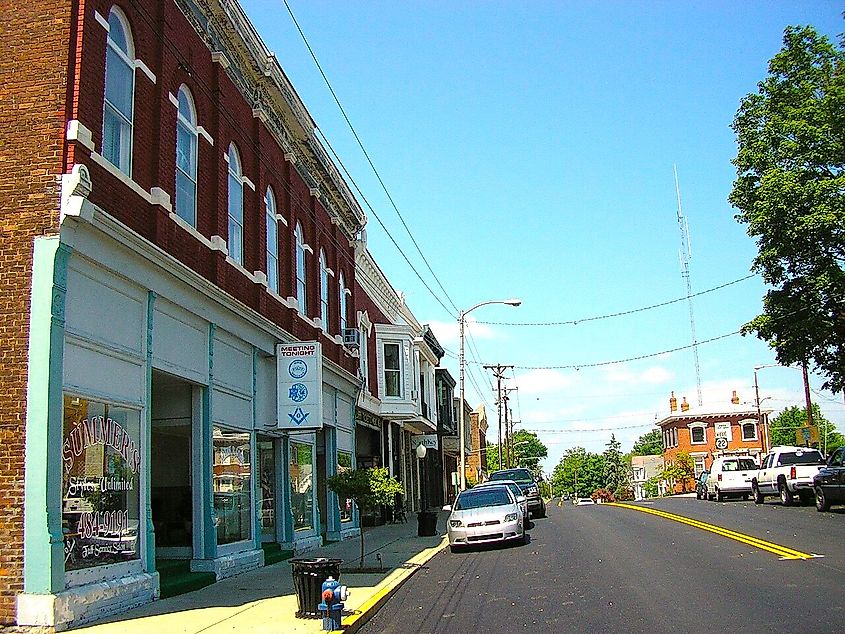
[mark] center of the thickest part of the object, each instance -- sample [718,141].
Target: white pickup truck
[787,472]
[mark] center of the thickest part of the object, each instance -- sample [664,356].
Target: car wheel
[755,492]
[543,510]
[454,548]
[822,503]
[697,494]
[786,496]
[745,497]
[719,496]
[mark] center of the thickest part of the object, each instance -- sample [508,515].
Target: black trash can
[426,524]
[309,573]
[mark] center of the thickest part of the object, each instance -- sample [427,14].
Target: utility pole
[499,373]
[508,426]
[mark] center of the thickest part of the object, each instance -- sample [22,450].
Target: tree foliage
[649,444]
[616,477]
[528,450]
[368,488]
[790,192]
[578,473]
[681,471]
[782,428]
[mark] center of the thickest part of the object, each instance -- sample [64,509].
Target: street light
[759,413]
[462,322]
[421,451]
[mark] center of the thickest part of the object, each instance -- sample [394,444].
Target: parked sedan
[584,501]
[829,482]
[517,492]
[701,486]
[483,515]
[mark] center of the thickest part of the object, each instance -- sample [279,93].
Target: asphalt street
[610,569]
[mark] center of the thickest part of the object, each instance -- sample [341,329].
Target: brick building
[476,462]
[704,433]
[178,306]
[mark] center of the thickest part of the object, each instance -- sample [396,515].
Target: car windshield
[513,486]
[481,497]
[811,456]
[521,476]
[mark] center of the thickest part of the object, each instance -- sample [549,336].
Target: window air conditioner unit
[351,337]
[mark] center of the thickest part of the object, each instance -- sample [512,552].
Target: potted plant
[368,488]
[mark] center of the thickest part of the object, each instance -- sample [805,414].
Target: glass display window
[232,485]
[101,481]
[302,485]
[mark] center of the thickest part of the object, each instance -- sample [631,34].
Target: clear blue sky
[530,148]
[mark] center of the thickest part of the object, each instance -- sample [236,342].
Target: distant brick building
[476,462]
[707,432]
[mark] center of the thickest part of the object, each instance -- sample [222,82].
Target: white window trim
[324,292]
[229,217]
[129,61]
[703,428]
[299,247]
[742,425]
[401,396]
[271,216]
[191,127]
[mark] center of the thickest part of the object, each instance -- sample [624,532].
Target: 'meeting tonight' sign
[299,376]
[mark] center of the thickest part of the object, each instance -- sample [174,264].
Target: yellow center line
[783,552]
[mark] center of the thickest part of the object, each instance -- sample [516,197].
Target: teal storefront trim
[43,539]
[147,434]
[207,458]
[287,505]
[255,476]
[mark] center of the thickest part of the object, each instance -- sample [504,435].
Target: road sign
[721,442]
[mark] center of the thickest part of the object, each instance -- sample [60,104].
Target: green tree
[649,444]
[782,428]
[528,450]
[578,473]
[615,472]
[682,471]
[790,192]
[368,488]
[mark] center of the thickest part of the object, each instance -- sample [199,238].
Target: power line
[575,322]
[366,154]
[382,225]
[578,366]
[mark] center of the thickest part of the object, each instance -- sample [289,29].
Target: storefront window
[301,485]
[232,485]
[344,464]
[101,463]
[267,469]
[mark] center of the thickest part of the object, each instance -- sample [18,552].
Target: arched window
[324,291]
[342,303]
[272,241]
[186,158]
[119,99]
[300,270]
[236,207]
[749,431]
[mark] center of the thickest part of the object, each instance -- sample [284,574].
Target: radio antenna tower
[685,255]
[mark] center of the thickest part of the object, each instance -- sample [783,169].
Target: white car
[730,476]
[584,501]
[484,515]
[516,490]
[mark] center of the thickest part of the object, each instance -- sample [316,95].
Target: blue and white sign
[299,372]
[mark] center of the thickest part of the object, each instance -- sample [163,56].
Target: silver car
[517,492]
[483,515]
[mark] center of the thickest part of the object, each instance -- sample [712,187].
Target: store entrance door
[268,502]
[171,492]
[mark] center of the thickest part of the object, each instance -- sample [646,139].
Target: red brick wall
[34,93]
[176,55]
[52,67]
[366,304]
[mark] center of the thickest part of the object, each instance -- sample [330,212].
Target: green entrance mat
[175,577]
[273,554]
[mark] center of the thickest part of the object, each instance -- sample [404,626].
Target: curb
[389,586]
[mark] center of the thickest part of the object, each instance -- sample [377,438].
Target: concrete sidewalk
[264,601]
